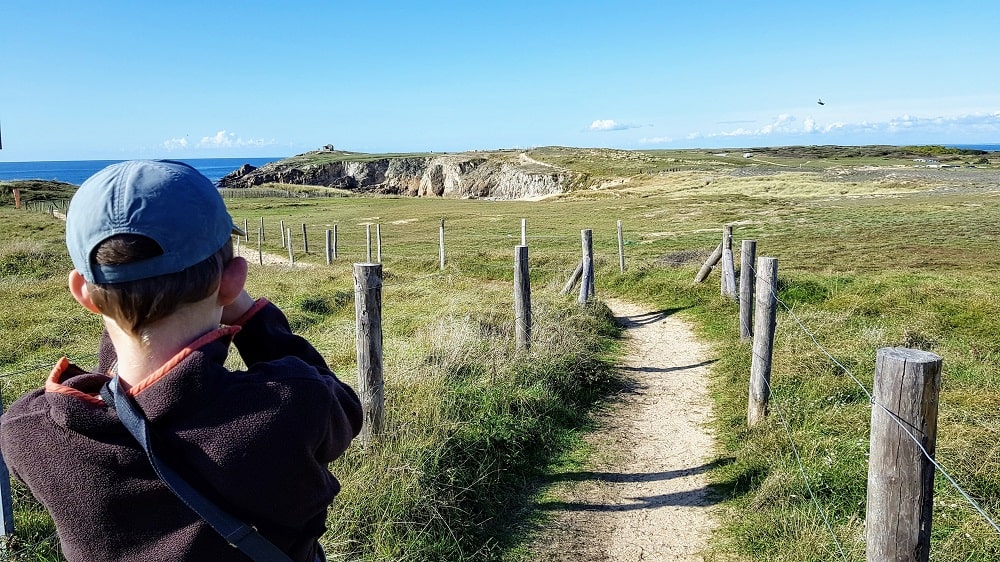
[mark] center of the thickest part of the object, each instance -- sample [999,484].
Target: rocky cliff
[495,175]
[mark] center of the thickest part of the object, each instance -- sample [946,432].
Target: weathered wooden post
[378,241]
[288,240]
[246,230]
[441,244]
[305,239]
[262,229]
[334,241]
[282,225]
[900,476]
[524,232]
[763,340]
[522,298]
[260,246]
[748,255]
[587,273]
[709,264]
[6,504]
[571,282]
[368,313]
[17,198]
[621,249]
[368,242]
[728,284]
[329,247]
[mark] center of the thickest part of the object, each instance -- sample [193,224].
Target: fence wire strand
[975,505]
[802,470]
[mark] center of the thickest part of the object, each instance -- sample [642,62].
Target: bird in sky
[820,102]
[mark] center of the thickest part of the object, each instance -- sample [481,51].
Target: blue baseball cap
[169,202]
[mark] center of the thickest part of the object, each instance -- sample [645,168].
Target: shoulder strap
[237,533]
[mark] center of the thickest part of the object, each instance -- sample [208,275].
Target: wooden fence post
[305,239]
[262,238]
[728,285]
[524,232]
[329,247]
[335,241]
[260,247]
[246,230]
[368,313]
[763,340]
[522,298]
[17,198]
[288,240]
[6,504]
[900,477]
[709,264]
[748,254]
[568,288]
[621,249]
[368,242]
[441,244]
[282,224]
[378,241]
[587,274]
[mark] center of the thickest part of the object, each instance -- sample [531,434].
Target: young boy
[152,250]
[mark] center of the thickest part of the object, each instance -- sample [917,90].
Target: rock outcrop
[495,175]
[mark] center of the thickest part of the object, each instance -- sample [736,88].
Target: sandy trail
[643,495]
[248,250]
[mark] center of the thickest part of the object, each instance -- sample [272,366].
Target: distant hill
[515,174]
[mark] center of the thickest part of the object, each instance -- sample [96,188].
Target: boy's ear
[234,278]
[78,288]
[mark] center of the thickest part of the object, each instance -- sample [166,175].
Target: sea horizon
[76,171]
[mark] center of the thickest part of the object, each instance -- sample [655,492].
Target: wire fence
[544,263]
[773,293]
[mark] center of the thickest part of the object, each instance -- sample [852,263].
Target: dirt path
[643,495]
[248,250]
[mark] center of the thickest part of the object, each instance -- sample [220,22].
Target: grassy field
[472,423]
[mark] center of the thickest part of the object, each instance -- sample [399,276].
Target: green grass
[472,423]
[914,271]
[35,190]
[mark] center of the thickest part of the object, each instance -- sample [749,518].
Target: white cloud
[173,144]
[221,139]
[609,125]
[911,126]
[655,140]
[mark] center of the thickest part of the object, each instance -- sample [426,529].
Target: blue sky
[186,79]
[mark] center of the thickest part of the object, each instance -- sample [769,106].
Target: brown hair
[135,304]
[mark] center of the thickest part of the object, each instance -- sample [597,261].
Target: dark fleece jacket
[257,442]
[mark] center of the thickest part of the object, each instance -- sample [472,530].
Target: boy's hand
[236,309]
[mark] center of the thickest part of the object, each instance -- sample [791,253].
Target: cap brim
[239,231]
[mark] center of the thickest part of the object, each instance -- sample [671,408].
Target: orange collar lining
[54,382]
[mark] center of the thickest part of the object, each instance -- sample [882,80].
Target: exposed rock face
[502,175]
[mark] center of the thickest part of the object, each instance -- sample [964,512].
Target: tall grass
[470,421]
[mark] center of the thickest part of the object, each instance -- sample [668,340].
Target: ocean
[986,147]
[76,171]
